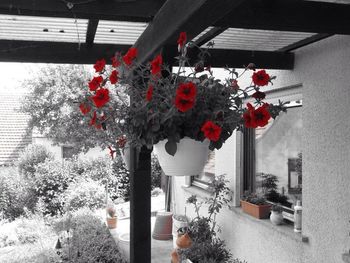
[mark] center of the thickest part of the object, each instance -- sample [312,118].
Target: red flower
[259,95]
[261,78]
[234,84]
[93,119]
[256,117]
[249,121]
[187,91]
[115,62]
[101,97]
[183,104]
[84,108]
[111,152]
[156,65]
[130,56]
[95,83]
[121,141]
[211,131]
[100,65]
[149,93]
[182,39]
[113,77]
[261,115]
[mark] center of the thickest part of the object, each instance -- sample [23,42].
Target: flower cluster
[147,103]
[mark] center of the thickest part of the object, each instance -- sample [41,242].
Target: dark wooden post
[140,206]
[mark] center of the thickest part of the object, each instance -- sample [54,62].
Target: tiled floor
[161,249]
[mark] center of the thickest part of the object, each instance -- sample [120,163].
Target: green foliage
[299,166]
[50,181]
[91,241]
[156,173]
[254,198]
[31,157]
[53,106]
[84,193]
[207,246]
[16,194]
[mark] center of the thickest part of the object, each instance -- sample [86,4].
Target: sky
[13,74]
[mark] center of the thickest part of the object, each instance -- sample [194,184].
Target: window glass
[278,158]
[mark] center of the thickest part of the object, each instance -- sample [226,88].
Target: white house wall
[324,70]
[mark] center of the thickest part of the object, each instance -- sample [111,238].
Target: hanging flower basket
[189,159]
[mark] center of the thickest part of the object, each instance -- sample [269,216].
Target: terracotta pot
[184,241]
[112,222]
[189,158]
[258,211]
[175,257]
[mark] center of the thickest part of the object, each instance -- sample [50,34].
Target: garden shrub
[33,155]
[16,194]
[84,193]
[91,241]
[50,181]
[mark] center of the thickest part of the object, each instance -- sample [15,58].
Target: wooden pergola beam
[215,31]
[290,15]
[91,31]
[56,52]
[59,52]
[305,42]
[180,15]
[137,11]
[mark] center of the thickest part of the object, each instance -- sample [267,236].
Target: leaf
[171,147]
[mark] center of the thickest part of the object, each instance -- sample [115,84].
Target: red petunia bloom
[261,78]
[149,93]
[249,121]
[187,90]
[211,131]
[100,65]
[121,141]
[114,77]
[84,108]
[234,84]
[111,152]
[259,95]
[130,56]
[183,104]
[93,119]
[115,62]
[101,97]
[95,83]
[156,65]
[261,115]
[181,41]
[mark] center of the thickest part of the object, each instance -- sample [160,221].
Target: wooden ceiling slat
[290,15]
[138,11]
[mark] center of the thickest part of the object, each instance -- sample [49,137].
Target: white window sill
[284,229]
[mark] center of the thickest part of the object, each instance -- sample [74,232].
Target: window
[272,158]
[68,152]
[203,180]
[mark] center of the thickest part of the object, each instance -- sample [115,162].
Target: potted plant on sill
[255,206]
[151,105]
[276,216]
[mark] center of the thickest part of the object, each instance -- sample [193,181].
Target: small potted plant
[276,214]
[255,206]
[111,217]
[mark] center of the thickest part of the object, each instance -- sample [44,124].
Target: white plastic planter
[189,158]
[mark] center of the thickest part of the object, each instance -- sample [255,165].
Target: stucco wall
[324,70]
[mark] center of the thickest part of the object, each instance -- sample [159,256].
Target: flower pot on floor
[163,226]
[112,222]
[257,211]
[189,159]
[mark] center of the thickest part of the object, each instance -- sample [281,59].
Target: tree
[53,105]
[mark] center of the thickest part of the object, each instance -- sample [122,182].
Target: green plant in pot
[205,245]
[255,205]
[276,216]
